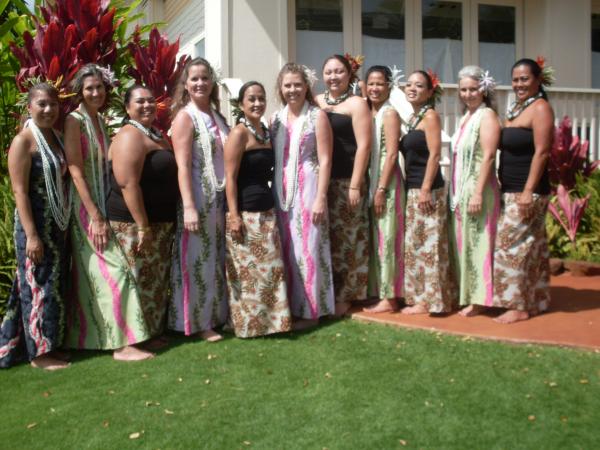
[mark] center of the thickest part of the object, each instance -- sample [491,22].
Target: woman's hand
[98,228]
[190,219]
[318,210]
[525,204]
[236,228]
[34,249]
[474,206]
[144,237]
[379,202]
[424,202]
[354,197]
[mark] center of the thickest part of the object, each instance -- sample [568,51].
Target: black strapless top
[414,149]
[344,145]
[159,186]
[517,150]
[254,177]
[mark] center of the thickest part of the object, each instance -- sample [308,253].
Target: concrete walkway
[573,319]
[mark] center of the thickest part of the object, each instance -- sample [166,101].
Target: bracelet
[144,229]
[354,188]
[382,188]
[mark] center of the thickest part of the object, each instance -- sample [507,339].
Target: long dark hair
[429,82]
[535,69]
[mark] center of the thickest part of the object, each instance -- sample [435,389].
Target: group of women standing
[269,228]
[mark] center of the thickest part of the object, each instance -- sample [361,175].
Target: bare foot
[131,353]
[304,324]
[416,309]
[341,309]
[210,336]
[471,310]
[49,362]
[157,343]
[383,306]
[512,316]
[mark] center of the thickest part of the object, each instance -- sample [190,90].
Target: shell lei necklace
[416,119]
[291,170]
[517,108]
[335,101]
[59,196]
[265,138]
[153,134]
[100,163]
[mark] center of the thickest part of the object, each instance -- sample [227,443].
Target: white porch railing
[581,105]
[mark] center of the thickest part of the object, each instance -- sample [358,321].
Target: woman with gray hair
[104,301]
[474,195]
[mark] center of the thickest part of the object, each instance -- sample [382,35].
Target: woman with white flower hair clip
[474,196]
[386,194]
[99,276]
[302,143]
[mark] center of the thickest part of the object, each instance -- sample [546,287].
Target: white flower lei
[291,170]
[100,165]
[206,143]
[59,198]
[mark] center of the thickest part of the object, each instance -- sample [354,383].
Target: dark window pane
[497,48]
[318,15]
[383,32]
[596,51]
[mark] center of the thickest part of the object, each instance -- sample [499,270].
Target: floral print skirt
[428,279]
[521,257]
[256,285]
[151,268]
[349,237]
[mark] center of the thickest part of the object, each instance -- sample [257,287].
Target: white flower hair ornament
[217,77]
[487,83]
[108,76]
[397,75]
[310,74]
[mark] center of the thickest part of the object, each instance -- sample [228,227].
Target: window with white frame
[319,32]
[199,48]
[496,25]
[383,34]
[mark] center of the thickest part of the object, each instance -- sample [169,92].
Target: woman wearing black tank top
[428,284]
[521,267]
[141,210]
[350,120]
[254,266]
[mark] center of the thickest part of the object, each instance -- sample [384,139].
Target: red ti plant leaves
[568,157]
[157,67]
[572,210]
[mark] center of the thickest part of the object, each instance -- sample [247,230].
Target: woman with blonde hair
[199,132]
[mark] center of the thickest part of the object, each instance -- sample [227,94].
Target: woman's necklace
[59,196]
[335,101]
[265,138]
[416,119]
[153,134]
[517,108]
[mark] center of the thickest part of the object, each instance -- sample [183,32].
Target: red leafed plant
[157,67]
[572,211]
[72,33]
[569,157]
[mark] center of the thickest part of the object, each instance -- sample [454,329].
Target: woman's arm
[97,225]
[489,138]
[543,135]
[361,125]
[324,138]
[19,167]
[183,138]
[391,130]
[233,152]
[433,136]
[128,152]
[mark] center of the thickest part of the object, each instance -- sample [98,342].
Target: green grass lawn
[345,385]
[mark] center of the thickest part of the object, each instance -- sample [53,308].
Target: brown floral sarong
[255,277]
[151,269]
[521,257]
[349,237]
[427,274]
